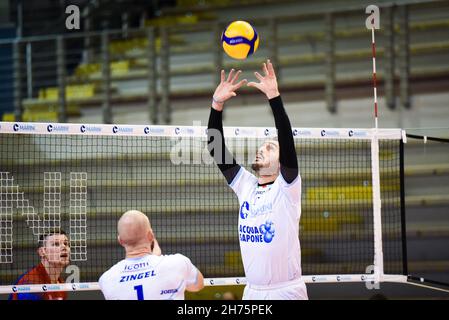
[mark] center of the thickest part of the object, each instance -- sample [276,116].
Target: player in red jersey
[54,252]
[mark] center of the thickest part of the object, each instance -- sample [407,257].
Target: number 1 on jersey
[139,290]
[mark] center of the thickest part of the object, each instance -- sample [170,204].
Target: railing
[55,75]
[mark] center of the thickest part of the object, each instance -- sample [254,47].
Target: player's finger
[237,74]
[254,84]
[258,76]
[231,74]
[265,70]
[223,75]
[240,84]
[270,68]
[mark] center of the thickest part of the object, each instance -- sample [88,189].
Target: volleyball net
[82,178]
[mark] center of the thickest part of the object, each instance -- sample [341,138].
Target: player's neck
[54,272]
[138,251]
[266,179]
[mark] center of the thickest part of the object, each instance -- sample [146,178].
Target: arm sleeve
[287,152]
[217,148]
[190,271]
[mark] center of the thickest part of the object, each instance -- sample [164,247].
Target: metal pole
[61,72]
[404,65]
[125,24]
[389,64]
[330,63]
[165,75]
[273,46]
[218,51]
[88,53]
[29,70]
[19,19]
[152,77]
[106,73]
[17,61]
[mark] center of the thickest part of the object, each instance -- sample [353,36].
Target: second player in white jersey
[149,277]
[268,228]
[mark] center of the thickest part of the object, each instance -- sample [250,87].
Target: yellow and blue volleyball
[240,40]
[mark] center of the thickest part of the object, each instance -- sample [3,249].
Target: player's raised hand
[226,89]
[268,83]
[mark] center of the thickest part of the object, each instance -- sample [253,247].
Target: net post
[106,75]
[330,84]
[377,213]
[152,77]
[61,74]
[403,220]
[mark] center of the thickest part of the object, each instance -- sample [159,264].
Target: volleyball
[240,40]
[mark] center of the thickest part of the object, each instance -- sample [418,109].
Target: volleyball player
[270,200]
[146,274]
[54,253]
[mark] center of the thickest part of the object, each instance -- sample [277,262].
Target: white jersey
[149,278]
[269,228]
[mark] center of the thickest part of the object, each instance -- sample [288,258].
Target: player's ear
[41,252]
[150,236]
[119,240]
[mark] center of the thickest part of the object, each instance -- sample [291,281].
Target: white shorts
[291,290]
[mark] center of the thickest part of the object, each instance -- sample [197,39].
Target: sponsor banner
[339,278]
[224,281]
[35,288]
[197,131]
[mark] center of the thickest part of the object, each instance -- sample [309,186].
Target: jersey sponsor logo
[262,190]
[263,233]
[247,210]
[169,291]
[244,210]
[138,276]
[267,230]
[136,266]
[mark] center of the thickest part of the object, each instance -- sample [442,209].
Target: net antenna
[372,23]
